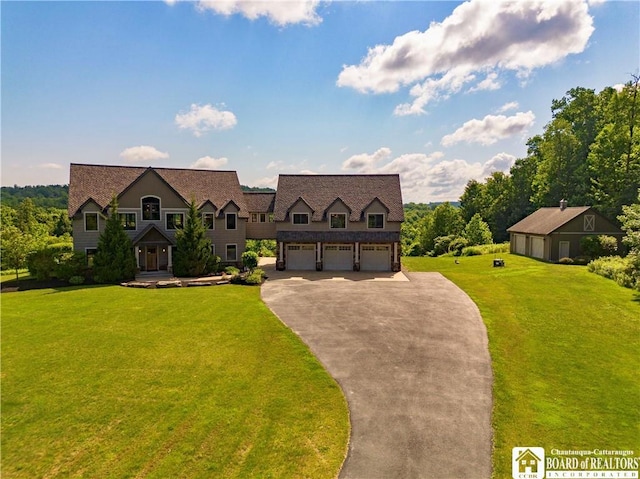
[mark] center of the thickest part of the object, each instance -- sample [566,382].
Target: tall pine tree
[115,260]
[193,247]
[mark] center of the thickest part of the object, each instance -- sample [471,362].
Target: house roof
[258,202]
[101,182]
[546,220]
[357,192]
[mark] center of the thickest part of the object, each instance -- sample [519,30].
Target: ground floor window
[232,252]
[91,254]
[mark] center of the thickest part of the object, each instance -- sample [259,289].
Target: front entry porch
[153,250]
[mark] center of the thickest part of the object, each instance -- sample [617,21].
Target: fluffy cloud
[512,105]
[427,177]
[267,181]
[280,13]
[479,37]
[209,163]
[490,129]
[142,154]
[201,119]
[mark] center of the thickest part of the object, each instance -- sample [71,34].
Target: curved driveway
[411,357]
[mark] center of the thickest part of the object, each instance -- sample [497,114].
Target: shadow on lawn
[27,284]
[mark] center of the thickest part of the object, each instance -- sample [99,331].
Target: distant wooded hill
[57,196]
[51,196]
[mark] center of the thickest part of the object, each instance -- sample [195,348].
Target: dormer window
[375,221]
[231,220]
[151,208]
[338,220]
[300,218]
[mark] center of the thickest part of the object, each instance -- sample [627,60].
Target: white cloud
[280,13]
[142,154]
[490,129]
[480,36]
[209,163]
[201,119]
[427,177]
[513,105]
[501,162]
[50,166]
[267,181]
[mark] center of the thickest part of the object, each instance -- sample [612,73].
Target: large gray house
[330,222]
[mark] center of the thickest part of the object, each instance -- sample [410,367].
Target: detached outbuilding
[554,233]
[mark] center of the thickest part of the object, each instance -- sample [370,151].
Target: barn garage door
[338,257]
[375,258]
[521,244]
[537,247]
[301,256]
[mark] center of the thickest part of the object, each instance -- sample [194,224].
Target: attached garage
[537,247]
[301,257]
[375,258]
[338,257]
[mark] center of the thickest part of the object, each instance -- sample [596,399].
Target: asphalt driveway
[411,357]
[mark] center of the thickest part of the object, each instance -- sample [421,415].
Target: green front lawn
[190,382]
[565,349]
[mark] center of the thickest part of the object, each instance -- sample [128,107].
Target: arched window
[151,208]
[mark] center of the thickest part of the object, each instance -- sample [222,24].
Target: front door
[565,249]
[152,258]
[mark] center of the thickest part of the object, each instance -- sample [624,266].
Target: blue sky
[439,92]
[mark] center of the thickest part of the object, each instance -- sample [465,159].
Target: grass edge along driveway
[564,346]
[190,382]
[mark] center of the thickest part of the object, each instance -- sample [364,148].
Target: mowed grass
[115,382]
[565,350]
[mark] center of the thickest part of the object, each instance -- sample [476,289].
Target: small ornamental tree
[115,260]
[193,247]
[250,260]
[16,248]
[477,231]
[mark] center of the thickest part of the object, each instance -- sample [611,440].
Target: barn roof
[546,220]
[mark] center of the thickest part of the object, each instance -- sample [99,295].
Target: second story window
[300,218]
[91,221]
[151,208]
[175,221]
[338,220]
[208,221]
[375,221]
[231,221]
[128,220]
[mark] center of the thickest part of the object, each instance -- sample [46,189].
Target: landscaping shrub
[457,245]
[441,244]
[213,264]
[565,261]
[43,262]
[232,271]
[76,280]
[70,265]
[485,249]
[255,277]
[596,246]
[622,270]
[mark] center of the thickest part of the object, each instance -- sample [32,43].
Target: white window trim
[97,221]
[213,249]
[213,216]
[159,207]
[345,221]
[226,252]
[384,221]
[226,221]
[293,214]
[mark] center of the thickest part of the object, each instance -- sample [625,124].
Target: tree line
[588,154]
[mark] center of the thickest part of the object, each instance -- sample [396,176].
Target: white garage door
[338,257]
[375,258]
[537,247]
[301,256]
[521,244]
